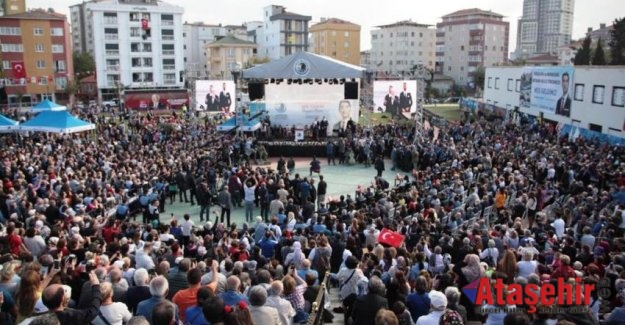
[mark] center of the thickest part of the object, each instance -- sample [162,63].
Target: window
[618,96]
[579,92]
[56,31]
[38,31]
[148,77]
[510,81]
[147,47]
[597,94]
[57,48]
[497,83]
[6,65]
[41,64]
[134,47]
[135,31]
[595,127]
[8,47]
[490,80]
[136,62]
[10,31]
[43,80]
[517,87]
[61,82]
[39,47]
[147,62]
[168,34]
[462,48]
[59,65]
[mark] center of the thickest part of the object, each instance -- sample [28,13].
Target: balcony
[169,52]
[110,21]
[169,67]
[111,37]
[167,37]
[112,52]
[112,68]
[167,22]
[169,81]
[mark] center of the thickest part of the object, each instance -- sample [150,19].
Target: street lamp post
[237,109]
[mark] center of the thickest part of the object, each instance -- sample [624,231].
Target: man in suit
[563,106]
[405,100]
[224,100]
[345,111]
[391,102]
[212,100]
[367,306]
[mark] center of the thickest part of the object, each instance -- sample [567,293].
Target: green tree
[599,57]
[617,42]
[479,76]
[83,63]
[583,55]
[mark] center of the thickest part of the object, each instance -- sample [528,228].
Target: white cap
[438,299]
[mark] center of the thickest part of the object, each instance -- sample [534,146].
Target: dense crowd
[85,239]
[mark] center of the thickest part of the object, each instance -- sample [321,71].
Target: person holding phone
[56,300]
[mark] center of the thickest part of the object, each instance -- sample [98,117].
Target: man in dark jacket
[182,186]
[367,306]
[379,165]
[56,300]
[190,180]
[203,199]
[225,202]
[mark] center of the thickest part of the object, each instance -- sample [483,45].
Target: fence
[316,312]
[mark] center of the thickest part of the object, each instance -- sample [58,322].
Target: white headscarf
[298,256]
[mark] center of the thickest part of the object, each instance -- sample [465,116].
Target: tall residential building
[604,33]
[470,38]
[196,37]
[545,26]
[135,43]
[396,48]
[336,38]
[227,54]
[36,56]
[11,7]
[283,33]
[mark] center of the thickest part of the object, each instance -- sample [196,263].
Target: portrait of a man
[405,100]
[391,101]
[563,107]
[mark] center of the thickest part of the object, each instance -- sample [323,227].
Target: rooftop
[335,21]
[231,40]
[289,15]
[404,23]
[37,14]
[472,12]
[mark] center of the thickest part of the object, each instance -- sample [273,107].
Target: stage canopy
[304,65]
[247,126]
[7,124]
[56,122]
[48,105]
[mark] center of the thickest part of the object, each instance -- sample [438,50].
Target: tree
[583,55]
[83,63]
[72,89]
[617,42]
[479,76]
[599,57]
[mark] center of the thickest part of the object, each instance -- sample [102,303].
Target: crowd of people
[85,239]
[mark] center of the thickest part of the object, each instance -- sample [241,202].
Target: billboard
[156,99]
[396,96]
[547,89]
[302,105]
[215,96]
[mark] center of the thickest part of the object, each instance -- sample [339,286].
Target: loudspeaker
[351,90]
[256,90]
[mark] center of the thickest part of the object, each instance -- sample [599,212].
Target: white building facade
[545,26]
[283,33]
[196,37]
[135,44]
[396,48]
[597,95]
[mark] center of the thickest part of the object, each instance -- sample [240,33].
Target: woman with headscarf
[471,271]
[296,257]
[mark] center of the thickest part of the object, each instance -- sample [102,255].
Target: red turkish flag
[144,23]
[19,71]
[390,237]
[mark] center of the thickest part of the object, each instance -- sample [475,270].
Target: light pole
[421,74]
[237,109]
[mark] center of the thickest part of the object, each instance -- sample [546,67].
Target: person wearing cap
[438,304]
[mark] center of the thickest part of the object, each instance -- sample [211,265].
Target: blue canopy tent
[56,122]
[7,124]
[48,105]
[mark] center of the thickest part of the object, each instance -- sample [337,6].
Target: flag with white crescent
[390,238]
[19,71]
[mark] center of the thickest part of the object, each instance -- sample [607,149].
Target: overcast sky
[368,14]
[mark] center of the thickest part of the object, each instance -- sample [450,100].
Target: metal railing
[316,312]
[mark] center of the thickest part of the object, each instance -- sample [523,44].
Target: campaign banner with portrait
[215,96]
[547,89]
[395,96]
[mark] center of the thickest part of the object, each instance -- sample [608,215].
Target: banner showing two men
[547,89]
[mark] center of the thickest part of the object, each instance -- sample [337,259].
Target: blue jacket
[145,308]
